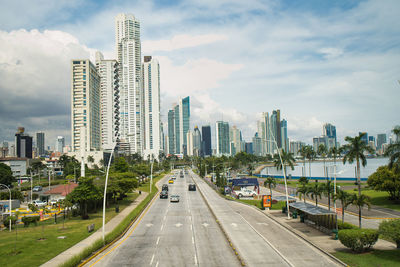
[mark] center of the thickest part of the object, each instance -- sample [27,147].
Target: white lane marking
[178,225]
[165,217]
[266,224]
[191,227]
[195,260]
[162,226]
[234,224]
[192,240]
[152,258]
[149,224]
[269,243]
[158,240]
[205,224]
[157,264]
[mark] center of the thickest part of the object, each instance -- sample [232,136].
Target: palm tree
[322,151]
[328,191]
[315,190]
[334,152]
[302,192]
[393,150]
[287,159]
[355,149]
[360,201]
[345,200]
[310,155]
[303,180]
[270,183]
[38,166]
[303,153]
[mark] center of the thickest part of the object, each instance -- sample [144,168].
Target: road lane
[259,240]
[173,234]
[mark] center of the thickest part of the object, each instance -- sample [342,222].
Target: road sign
[266,201]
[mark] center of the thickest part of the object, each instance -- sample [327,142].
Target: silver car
[174,198]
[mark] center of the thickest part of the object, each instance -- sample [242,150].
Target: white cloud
[181,41]
[330,52]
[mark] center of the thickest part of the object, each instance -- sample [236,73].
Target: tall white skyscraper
[60,144]
[128,52]
[85,106]
[152,120]
[109,99]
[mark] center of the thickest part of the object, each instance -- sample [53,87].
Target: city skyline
[231,73]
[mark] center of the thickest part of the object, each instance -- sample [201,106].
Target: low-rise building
[18,165]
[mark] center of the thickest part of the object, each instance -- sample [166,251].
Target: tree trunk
[359,216]
[358,178]
[342,213]
[270,189]
[329,200]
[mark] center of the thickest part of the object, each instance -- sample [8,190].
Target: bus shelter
[321,218]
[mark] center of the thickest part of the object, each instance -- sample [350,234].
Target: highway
[172,234]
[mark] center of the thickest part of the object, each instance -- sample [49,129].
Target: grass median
[372,258]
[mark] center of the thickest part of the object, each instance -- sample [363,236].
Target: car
[37,188]
[39,203]
[53,202]
[173,178]
[174,198]
[181,175]
[244,192]
[192,187]
[164,187]
[164,194]
[171,181]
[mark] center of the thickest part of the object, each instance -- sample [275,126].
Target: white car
[53,202]
[244,192]
[174,198]
[39,203]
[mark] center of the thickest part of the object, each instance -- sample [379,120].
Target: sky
[317,61]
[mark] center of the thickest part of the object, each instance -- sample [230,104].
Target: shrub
[29,220]
[391,230]
[6,221]
[346,225]
[358,240]
[35,196]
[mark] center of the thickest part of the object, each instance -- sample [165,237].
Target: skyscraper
[284,137]
[365,137]
[235,137]
[197,148]
[23,144]
[128,52]
[330,131]
[85,105]
[108,71]
[206,140]
[177,132]
[273,132]
[60,144]
[40,143]
[381,139]
[152,122]
[222,136]
[171,132]
[257,146]
[184,120]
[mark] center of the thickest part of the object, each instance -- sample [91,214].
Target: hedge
[391,229]
[358,240]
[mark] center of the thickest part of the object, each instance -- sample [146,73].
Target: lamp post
[9,202]
[105,192]
[283,170]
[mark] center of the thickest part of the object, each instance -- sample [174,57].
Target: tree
[328,190]
[310,155]
[315,191]
[391,229]
[302,192]
[86,192]
[287,159]
[120,184]
[345,200]
[120,165]
[356,149]
[334,152]
[90,159]
[303,153]
[323,151]
[303,180]
[270,183]
[250,169]
[393,151]
[386,179]
[38,165]
[6,176]
[360,201]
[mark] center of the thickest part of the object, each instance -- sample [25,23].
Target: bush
[358,240]
[391,229]
[346,225]
[6,221]
[29,220]
[35,196]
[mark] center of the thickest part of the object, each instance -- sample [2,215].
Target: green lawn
[379,198]
[34,252]
[376,258]
[257,203]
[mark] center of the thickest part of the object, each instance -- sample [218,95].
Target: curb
[241,260]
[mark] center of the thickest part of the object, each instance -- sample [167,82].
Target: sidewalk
[82,245]
[316,237]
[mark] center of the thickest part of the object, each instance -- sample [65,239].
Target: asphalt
[172,234]
[260,240]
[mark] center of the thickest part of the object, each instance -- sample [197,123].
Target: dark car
[164,194]
[192,187]
[164,187]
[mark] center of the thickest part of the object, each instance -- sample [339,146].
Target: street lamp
[9,203]
[105,191]
[283,170]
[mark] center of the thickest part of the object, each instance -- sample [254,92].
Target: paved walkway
[82,245]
